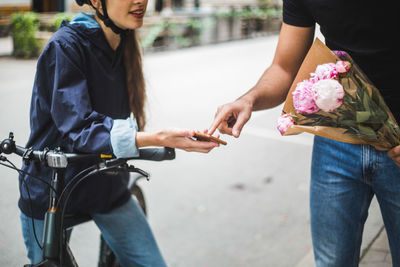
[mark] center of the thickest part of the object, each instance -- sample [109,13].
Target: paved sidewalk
[377,251]
[5,46]
[378,254]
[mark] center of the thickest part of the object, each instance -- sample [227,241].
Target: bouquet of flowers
[333,98]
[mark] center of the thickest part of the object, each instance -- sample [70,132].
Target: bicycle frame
[56,251]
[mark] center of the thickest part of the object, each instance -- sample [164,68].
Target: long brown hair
[134,78]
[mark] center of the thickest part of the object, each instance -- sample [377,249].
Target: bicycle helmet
[81,2]
[104,17]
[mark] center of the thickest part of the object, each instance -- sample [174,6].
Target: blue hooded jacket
[79,94]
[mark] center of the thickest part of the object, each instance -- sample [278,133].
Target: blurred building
[168,23]
[153,5]
[36,5]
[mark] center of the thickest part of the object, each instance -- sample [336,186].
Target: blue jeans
[344,179]
[125,230]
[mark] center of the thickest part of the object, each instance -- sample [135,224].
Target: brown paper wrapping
[317,55]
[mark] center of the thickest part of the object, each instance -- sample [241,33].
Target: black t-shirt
[365,29]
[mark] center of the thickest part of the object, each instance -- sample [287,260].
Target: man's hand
[274,84]
[394,154]
[230,118]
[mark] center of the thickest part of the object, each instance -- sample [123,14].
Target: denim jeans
[125,230]
[344,179]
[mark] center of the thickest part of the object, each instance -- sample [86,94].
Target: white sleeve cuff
[123,138]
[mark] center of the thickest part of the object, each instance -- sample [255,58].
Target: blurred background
[244,204]
[169,24]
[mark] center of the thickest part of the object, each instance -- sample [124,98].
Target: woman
[88,82]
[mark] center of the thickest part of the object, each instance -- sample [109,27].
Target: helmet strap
[123,33]
[107,21]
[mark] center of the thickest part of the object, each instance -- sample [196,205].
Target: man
[344,177]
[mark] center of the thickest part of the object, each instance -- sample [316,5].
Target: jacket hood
[87,28]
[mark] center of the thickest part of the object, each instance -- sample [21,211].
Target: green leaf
[346,123]
[351,131]
[362,116]
[366,102]
[367,132]
[375,126]
[359,94]
[375,97]
[382,115]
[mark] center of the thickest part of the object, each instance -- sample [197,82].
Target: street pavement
[244,204]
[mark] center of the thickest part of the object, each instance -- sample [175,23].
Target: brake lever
[114,162]
[132,168]
[121,163]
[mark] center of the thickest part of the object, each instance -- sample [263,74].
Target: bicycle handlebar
[60,192]
[156,154]
[57,159]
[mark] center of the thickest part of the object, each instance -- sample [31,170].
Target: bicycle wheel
[138,193]
[107,257]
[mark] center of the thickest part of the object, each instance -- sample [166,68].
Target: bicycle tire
[107,257]
[138,193]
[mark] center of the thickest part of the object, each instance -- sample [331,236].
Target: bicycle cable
[20,171]
[91,170]
[29,197]
[66,202]
[94,167]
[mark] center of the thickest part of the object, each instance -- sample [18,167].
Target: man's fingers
[240,122]
[224,128]
[231,117]
[394,152]
[214,125]
[219,118]
[396,161]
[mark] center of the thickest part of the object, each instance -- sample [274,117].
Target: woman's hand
[183,139]
[394,154]
[176,138]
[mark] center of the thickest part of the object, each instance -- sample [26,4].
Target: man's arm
[274,84]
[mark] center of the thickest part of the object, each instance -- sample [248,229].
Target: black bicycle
[56,251]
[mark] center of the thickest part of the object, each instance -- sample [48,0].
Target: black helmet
[104,17]
[82,2]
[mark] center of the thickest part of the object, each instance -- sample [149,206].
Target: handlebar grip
[7,146]
[156,154]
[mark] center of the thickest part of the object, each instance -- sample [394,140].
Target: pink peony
[342,66]
[340,54]
[324,71]
[328,94]
[284,122]
[303,100]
